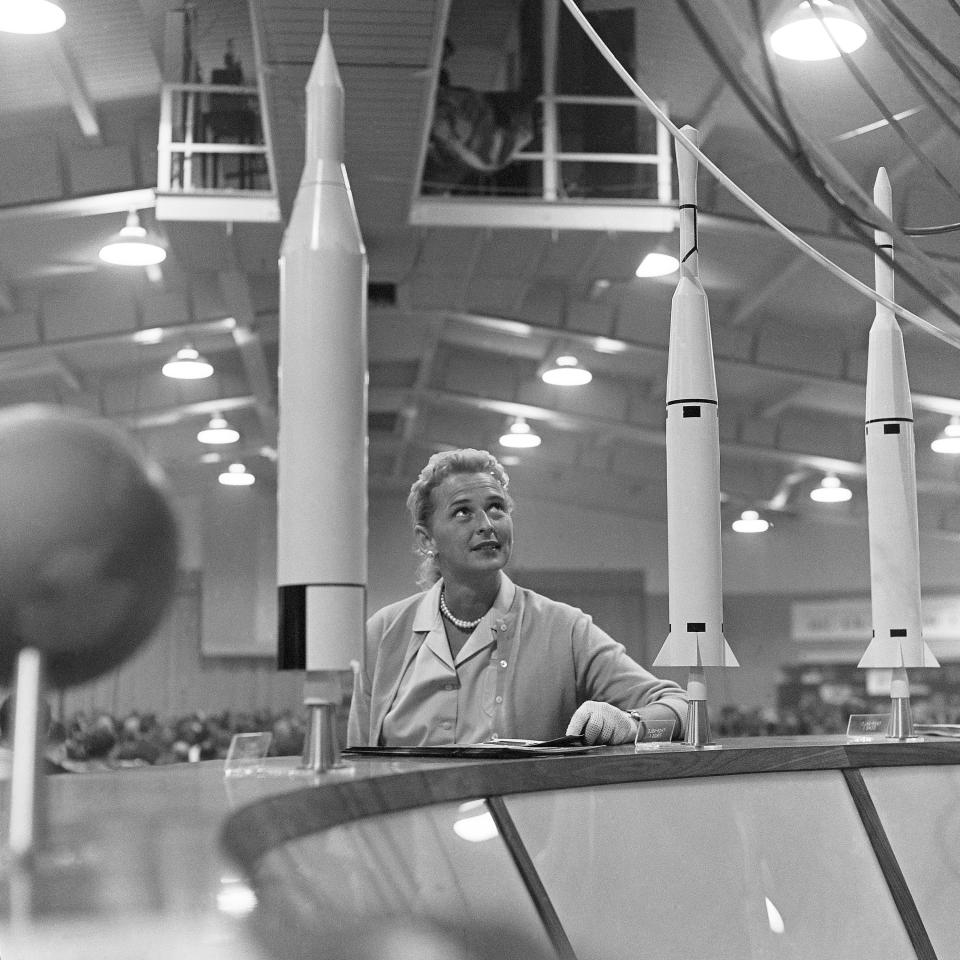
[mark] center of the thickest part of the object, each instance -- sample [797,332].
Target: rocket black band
[671,403]
[890,420]
[292,627]
[292,623]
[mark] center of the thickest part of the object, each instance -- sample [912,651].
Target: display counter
[766,848]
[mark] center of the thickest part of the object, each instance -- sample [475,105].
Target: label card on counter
[657,732]
[246,753]
[864,727]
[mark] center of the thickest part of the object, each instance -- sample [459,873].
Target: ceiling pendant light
[236,475]
[131,248]
[831,490]
[750,522]
[948,441]
[566,372]
[657,264]
[218,431]
[803,33]
[520,435]
[187,364]
[30,16]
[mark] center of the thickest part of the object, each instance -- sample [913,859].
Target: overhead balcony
[213,158]
[537,134]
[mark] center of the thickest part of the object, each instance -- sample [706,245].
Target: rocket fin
[678,650]
[685,649]
[890,653]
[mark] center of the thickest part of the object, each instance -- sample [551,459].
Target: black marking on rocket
[696,628]
[292,613]
[889,420]
[693,249]
[292,617]
[691,411]
[898,632]
[673,403]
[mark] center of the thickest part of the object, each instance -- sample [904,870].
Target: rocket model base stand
[321,751]
[698,720]
[900,725]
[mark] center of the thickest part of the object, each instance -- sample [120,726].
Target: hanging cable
[922,40]
[948,337]
[851,217]
[877,100]
[922,79]
[931,231]
[801,155]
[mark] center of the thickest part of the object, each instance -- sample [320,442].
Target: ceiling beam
[620,347]
[122,201]
[65,69]
[235,289]
[635,433]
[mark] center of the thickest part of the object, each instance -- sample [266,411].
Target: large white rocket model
[696,637]
[897,641]
[322,448]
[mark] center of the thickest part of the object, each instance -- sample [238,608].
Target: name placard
[246,754]
[865,727]
[655,734]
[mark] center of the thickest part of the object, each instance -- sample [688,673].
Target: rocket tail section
[896,652]
[687,648]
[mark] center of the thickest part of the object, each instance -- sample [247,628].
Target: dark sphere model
[88,543]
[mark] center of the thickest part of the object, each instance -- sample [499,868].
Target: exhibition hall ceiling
[476,280]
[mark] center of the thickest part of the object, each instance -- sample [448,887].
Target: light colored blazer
[552,657]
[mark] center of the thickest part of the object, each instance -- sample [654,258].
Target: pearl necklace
[456,621]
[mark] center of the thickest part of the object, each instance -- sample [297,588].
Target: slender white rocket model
[696,637]
[892,493]
[322,448]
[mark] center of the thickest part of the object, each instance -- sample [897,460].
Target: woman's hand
[602,723]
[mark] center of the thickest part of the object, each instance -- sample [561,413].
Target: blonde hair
[440,466]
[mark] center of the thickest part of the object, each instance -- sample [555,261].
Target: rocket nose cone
[325,72]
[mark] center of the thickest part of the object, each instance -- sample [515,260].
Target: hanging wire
[922,79]
[849,216]
[931,231]
[877,100]
[921,39]
[800,155]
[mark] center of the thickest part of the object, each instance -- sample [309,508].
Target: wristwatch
[642,725]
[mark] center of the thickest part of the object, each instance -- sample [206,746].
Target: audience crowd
[101,741]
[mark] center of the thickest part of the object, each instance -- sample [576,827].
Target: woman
[475,657]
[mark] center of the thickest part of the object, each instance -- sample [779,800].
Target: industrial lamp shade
[236,475]
[657,264]
[949,440]
[831,490]
[750,522]
[187,364]
[30,16]
[520,435]
[805,33]
[132,248]
[218,431]
[566,372]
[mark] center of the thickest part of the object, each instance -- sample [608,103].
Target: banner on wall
[815,621]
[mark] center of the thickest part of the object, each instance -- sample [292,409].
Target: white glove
[602,723]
